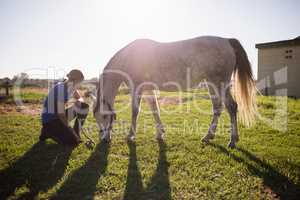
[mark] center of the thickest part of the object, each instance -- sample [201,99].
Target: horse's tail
[244,90]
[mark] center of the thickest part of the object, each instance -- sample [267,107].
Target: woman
[55,117]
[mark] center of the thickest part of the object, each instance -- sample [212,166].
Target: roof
[292,42]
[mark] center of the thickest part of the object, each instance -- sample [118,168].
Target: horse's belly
[182,79]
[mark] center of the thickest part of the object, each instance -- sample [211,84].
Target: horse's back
[207,48]
[149,60]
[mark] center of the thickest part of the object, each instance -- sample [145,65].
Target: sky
[47,38]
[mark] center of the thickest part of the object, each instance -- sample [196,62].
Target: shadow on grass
[81,184]
[158,187]
[280,185]
[38,169]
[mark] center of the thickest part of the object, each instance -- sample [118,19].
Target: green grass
[26,95]
[266,164]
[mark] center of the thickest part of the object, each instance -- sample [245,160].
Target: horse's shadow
[280,185]
[159,185]
[86,177]
[38,169]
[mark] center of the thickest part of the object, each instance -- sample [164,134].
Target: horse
[146,65]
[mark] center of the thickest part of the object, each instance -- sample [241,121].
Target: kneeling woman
[55,117]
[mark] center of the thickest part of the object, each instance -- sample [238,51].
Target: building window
[288,54]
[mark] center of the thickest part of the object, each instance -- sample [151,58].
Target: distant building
[279,67]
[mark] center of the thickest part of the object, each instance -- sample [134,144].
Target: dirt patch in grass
[164,100]
[27,109]
[175,100]
[35,90]
[170,100]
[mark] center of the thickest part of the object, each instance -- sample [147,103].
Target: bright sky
[36,34]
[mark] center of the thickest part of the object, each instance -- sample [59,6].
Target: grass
[26,95]
[266,164]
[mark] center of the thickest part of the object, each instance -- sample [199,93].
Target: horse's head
[103,113]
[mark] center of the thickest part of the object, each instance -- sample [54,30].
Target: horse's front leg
[152,101]
[135,109]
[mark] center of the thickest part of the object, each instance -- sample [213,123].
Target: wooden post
[7,85]
[6,90]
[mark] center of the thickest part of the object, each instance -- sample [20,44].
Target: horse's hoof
[107,140]
[231,145]
[130,138]
[207,138]
[160,137]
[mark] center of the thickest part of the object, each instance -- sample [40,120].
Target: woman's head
[75,76]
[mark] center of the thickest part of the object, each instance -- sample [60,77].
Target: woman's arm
[77,95]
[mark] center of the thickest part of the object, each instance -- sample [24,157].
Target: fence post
[7,85]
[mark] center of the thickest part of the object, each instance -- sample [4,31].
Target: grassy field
[265,164]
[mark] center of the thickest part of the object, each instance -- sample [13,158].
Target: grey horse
[146,65]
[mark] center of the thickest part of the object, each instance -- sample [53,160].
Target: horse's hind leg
[215,95]
[152,101]
[231,107]
[135,107]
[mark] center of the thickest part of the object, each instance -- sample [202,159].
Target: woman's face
[76,84]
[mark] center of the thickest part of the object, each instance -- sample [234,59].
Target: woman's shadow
[81,184]
[279,184]
[39,169]
[159,185]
